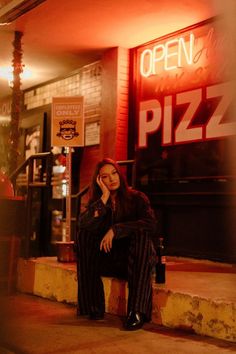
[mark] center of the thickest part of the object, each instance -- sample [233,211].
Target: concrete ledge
[196,314]
[48,278]
[202,302]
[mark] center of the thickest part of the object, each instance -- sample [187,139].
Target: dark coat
[140,217]
[132,255]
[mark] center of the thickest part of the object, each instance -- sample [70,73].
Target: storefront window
[183,99]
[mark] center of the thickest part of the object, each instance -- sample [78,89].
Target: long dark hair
[123,192]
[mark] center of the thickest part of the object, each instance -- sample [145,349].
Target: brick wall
[114,113]
[104,86]
[91,89]
[86,82]
[122,105]
[114,124]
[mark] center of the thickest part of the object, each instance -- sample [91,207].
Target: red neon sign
[179,78]
[171,55]
[184,131]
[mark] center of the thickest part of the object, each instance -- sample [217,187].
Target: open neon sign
[186,74]
[173,54]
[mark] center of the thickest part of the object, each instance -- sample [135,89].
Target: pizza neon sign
[178,79]
[185,131]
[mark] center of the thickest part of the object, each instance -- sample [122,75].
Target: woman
[115,238]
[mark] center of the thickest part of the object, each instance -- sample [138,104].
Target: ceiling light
[16,8]
[4,120]
[6,72]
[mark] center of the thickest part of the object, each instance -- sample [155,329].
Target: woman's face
[110,177]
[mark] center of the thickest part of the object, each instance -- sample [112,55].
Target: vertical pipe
[68,195]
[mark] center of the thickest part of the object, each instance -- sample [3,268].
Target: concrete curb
[212,317]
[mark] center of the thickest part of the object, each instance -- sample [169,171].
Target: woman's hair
[123,192]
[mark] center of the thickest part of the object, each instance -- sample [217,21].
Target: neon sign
[183,88]
[173,54]
[184,106]
[184,131]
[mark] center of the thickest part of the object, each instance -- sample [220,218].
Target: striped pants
[131,257]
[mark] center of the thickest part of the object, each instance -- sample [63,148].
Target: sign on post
[67,130]
[67,121]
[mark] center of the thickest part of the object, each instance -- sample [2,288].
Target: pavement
[34,325]
[198,296]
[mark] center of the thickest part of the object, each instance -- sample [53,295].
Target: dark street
[38,326]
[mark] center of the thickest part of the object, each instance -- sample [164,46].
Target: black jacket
[140,217]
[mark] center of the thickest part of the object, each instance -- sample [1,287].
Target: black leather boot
[134,321]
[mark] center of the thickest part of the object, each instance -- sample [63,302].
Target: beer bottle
[161,263]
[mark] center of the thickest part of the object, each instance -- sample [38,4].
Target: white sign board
[67,128]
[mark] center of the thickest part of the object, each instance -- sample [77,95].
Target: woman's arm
[145,218]
[93,216]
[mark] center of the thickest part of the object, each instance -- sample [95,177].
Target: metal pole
[68,193]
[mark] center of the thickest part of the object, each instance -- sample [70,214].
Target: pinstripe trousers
[132,256]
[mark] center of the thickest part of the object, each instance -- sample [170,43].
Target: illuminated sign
[168,56]
[184,72]
[183,103]
[184,130]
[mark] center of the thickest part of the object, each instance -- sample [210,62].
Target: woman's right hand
[104,189]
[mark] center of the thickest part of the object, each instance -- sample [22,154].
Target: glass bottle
[161,262]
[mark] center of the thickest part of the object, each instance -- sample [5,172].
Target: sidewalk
[198,296]
[34,325]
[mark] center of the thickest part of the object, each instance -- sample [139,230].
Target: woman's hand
[104,189]
[106,243]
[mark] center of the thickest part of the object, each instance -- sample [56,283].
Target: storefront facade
[168,105]
[184,130]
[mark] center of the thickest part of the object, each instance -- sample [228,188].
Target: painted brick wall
[114,124]
[85,82]
[91,89]
[122,104]
[104,85]
[114,113]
